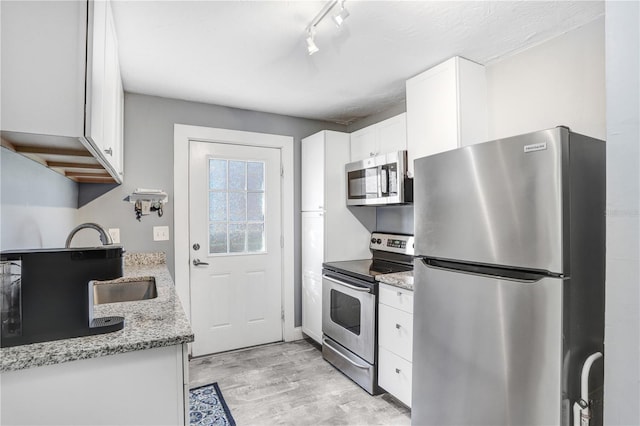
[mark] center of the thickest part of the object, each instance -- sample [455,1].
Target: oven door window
[345,311]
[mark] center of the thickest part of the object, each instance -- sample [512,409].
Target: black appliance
[45,293]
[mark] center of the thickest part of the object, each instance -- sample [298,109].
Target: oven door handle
[352,287]
[337,352]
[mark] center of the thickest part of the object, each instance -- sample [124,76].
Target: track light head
[311,45]
[339,17]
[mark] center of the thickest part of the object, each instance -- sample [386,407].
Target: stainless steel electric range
[350,307]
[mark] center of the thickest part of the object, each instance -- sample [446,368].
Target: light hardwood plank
[290,384]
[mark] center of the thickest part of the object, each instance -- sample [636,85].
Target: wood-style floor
[290,384]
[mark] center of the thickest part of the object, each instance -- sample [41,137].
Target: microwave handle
[383,181]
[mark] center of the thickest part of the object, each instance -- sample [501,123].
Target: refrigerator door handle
[527,277]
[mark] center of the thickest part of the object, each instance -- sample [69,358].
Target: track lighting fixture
[338,19]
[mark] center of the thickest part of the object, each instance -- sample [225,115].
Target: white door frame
[182,134]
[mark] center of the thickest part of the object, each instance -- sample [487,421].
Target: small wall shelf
[148,200]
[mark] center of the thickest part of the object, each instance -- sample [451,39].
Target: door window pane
[218,238]
[255,206]
[237,175]
[255,176]
[236,206]
[255,237]
[217,206]
[218,174]
[237,238]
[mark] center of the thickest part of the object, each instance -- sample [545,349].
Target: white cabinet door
[381,138]
[364,143]
[43,67]
[312,172]
[96,75]
[396,297]
[394,375]
[392,134]
[112,97]
[312,258]
[395,331]
[74,393]
[104,126]
[446,108]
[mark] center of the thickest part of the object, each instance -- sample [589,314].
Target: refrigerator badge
[535,147]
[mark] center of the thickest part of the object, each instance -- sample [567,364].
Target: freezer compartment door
[486,350]
[496,203]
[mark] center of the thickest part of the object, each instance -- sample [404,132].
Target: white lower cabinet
[395,341]
[146,387]
[394,375]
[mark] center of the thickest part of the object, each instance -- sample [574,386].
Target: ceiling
[252,54]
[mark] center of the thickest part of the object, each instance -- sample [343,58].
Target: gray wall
[148,139]
[38,207]
[622,309]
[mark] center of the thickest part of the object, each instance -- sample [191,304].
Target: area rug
[207,407]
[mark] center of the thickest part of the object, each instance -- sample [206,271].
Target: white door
[235,245]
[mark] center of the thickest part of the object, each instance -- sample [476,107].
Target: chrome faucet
[105,238]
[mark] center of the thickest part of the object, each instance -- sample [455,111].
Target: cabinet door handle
[397,371]
[108,151]
[398,326]
[399,294]
[372,154]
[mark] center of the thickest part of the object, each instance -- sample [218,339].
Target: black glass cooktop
[365,269]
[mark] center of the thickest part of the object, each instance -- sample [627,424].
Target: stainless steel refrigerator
[509,290]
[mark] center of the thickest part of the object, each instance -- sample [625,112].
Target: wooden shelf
[67,156]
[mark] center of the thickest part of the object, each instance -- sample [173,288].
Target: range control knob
[373,241]
[379,241]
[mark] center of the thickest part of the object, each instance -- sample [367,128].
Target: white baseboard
[294,334]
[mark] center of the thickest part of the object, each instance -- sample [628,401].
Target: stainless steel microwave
[379,180]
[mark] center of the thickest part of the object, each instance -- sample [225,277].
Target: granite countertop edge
[402,280]
[149,324]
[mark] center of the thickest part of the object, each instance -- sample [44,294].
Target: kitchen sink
[124,290]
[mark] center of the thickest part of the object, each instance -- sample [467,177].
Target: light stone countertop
[148,324]
[399,279]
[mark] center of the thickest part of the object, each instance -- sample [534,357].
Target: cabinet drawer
[396,297]
[394,375]
[395,331]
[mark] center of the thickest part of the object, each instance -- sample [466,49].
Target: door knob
[196,262]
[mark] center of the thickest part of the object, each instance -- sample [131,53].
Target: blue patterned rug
[207,407]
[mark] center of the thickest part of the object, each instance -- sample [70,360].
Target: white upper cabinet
[312,173]
[62,96]
[446,108]
[43,67]
[381,138]
[111,99]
